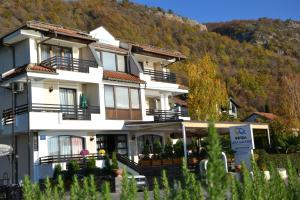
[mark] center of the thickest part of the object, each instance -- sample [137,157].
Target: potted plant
[145,161]
[194,156]
[115,166]
[179,152]
[168,153]
[157,150]
[101,152]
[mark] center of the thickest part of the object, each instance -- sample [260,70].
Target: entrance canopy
[192,128]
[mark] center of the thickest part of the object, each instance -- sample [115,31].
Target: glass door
[68,103]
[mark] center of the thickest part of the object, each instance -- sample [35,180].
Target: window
[135,99]
[109,96]
[121,63]
[48,51]
[118,97]
[109,61]
[122,99]
[65,145]
[113,62]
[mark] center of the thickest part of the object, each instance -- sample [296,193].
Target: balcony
[161,76]
[69,64]
[69,112]
[164,115]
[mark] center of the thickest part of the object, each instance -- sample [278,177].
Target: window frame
[52,46]
[116,61]
[59,147]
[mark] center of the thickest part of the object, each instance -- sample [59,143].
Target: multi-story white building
[72,90]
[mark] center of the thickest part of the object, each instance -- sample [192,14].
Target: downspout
[29,133]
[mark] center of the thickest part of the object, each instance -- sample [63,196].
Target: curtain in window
[122,98]
[53,146]
[121,63]
[135,100]
[45,52]
[77,145]
[67,100]
[65,145]
[109,61]
[109,97]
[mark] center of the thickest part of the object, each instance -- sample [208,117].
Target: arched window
[147,139]
[65,145]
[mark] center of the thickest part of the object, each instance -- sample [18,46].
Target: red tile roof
[110,48]
[27,68]
[57,29]
[156,50]
[121,76]
[269,116]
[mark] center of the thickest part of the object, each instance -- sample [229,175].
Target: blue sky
[225,10]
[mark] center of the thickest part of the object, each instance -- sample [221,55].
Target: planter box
[156,162]
[177,161]
[145,163]
[167,162]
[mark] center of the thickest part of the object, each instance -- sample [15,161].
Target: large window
[48,51]
[113,62]
[65,145]
[121,97]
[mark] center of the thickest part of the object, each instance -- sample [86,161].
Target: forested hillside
[253,74]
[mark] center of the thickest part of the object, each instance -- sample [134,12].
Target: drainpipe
[29,133]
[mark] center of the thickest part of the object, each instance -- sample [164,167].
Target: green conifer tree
[247,183]
[92,188]
[293,181]
[105,191]
[48,189]
[156,193]
[216,175]
[166,186]
[125,187]
[27,189]
[146,194]
[75,189]
[61,187]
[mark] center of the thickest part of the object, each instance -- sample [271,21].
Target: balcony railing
[69,64]
[164,115]
[7,114]
[70,112]
[156,75]
[67,158]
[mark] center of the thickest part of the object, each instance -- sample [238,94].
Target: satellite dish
[5,150]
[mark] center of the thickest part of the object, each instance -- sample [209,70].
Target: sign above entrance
[241,137]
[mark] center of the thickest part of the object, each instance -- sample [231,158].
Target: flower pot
[156,162]
[118,172]
[193,160]
[145,163]
[167,162]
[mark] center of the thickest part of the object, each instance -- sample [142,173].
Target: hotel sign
[241,137]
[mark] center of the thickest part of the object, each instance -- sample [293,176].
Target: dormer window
[113,62]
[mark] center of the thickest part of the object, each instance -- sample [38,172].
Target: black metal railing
[7,114]
[129,163]
[164,115]
[70,112]
[161,76]
[69,64]
[66,158]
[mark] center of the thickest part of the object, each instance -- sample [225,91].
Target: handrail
[7,114]
[164,115]
[161,76]
[130,163]
[66,158]
[69,64]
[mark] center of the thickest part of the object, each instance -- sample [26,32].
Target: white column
[269,138]
[164,101]
[143,103]
[184,141]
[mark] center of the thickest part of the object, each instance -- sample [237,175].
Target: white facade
[46,98]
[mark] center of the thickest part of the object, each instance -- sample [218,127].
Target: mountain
[251,71]
[282,37]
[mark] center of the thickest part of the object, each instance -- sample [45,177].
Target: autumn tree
[207,91]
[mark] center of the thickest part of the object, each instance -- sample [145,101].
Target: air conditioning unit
[18,86]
